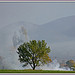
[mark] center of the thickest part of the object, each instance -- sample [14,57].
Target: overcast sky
[37,13]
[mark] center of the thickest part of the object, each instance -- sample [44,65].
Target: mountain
[59,35]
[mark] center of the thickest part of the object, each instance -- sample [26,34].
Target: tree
[34,53]
[71,64]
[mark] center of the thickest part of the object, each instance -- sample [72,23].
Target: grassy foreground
[35,71]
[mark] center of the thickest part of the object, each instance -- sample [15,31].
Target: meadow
[35,71]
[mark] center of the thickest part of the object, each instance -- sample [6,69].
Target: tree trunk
[33,59]
[34,68]
[33,65]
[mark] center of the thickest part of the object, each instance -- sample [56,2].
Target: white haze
[11,37]
[54,65]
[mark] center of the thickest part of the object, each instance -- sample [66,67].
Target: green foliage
[71,64]
[34,53]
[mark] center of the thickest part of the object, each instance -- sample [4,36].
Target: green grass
[34,71]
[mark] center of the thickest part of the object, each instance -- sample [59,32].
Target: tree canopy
[71,64]
[34,53]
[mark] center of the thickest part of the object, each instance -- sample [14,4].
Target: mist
[54,65]
[15,34]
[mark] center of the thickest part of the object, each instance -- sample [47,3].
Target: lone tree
[34,53]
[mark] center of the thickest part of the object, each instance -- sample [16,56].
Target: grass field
[34,71]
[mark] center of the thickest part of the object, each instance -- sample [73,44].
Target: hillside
[59,34]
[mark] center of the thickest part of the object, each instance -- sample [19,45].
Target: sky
[37,13]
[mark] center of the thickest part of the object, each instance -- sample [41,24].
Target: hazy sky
[37,13]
